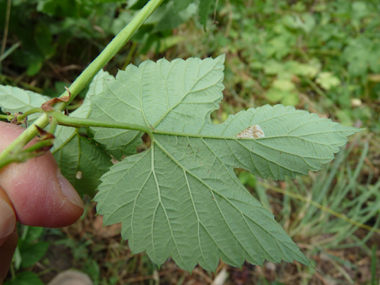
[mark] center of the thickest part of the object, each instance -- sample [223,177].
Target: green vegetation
[322,57]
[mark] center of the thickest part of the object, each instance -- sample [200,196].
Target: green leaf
[274,95]
[172,18]
[117,142]
[327,80]
[25,278]
[204,9]
[33,233]
[134,81]
[181,5]
[81,161]
[181,197]
[63,8]
[291,99]
[13,100]
[33,252]
[283,85]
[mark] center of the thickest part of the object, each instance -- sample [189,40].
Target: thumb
[40,195]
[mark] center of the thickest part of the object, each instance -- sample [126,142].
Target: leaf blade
[181,198]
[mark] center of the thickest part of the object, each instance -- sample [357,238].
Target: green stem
[6,161]
[80,122]
[74,107]
[129,56]
[112,48]
[7,117]
[53,125]
[27,153]
[20,118]
[24,138]
[9,51]
[38,145]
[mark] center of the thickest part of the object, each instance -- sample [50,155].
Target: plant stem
[53,125]
[38,145]
[85,77]
[6,161]
[83,122]
[9,51]
[111,49]
[130,54]
[80,122]
[7,117]
[27,113]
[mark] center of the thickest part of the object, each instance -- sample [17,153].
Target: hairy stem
[27,113]
[28,153]
[111,49]
[79,122]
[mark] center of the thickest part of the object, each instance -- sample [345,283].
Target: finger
[40,195]
[7,217]
[8,234]
[6,253]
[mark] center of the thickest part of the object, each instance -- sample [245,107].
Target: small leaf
[283,85]
[33,252]
[327,80]
[13,100]
[181,198]
[25,278]
[33,233]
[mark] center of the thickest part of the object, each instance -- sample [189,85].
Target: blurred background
[317,55]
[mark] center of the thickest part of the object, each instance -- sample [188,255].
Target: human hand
[33,193]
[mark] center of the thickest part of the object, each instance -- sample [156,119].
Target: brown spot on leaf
[254,131]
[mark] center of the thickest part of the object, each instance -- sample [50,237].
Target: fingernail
[69,191]
[7,219]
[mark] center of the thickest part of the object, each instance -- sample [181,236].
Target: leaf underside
[181,197]
[14,100]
